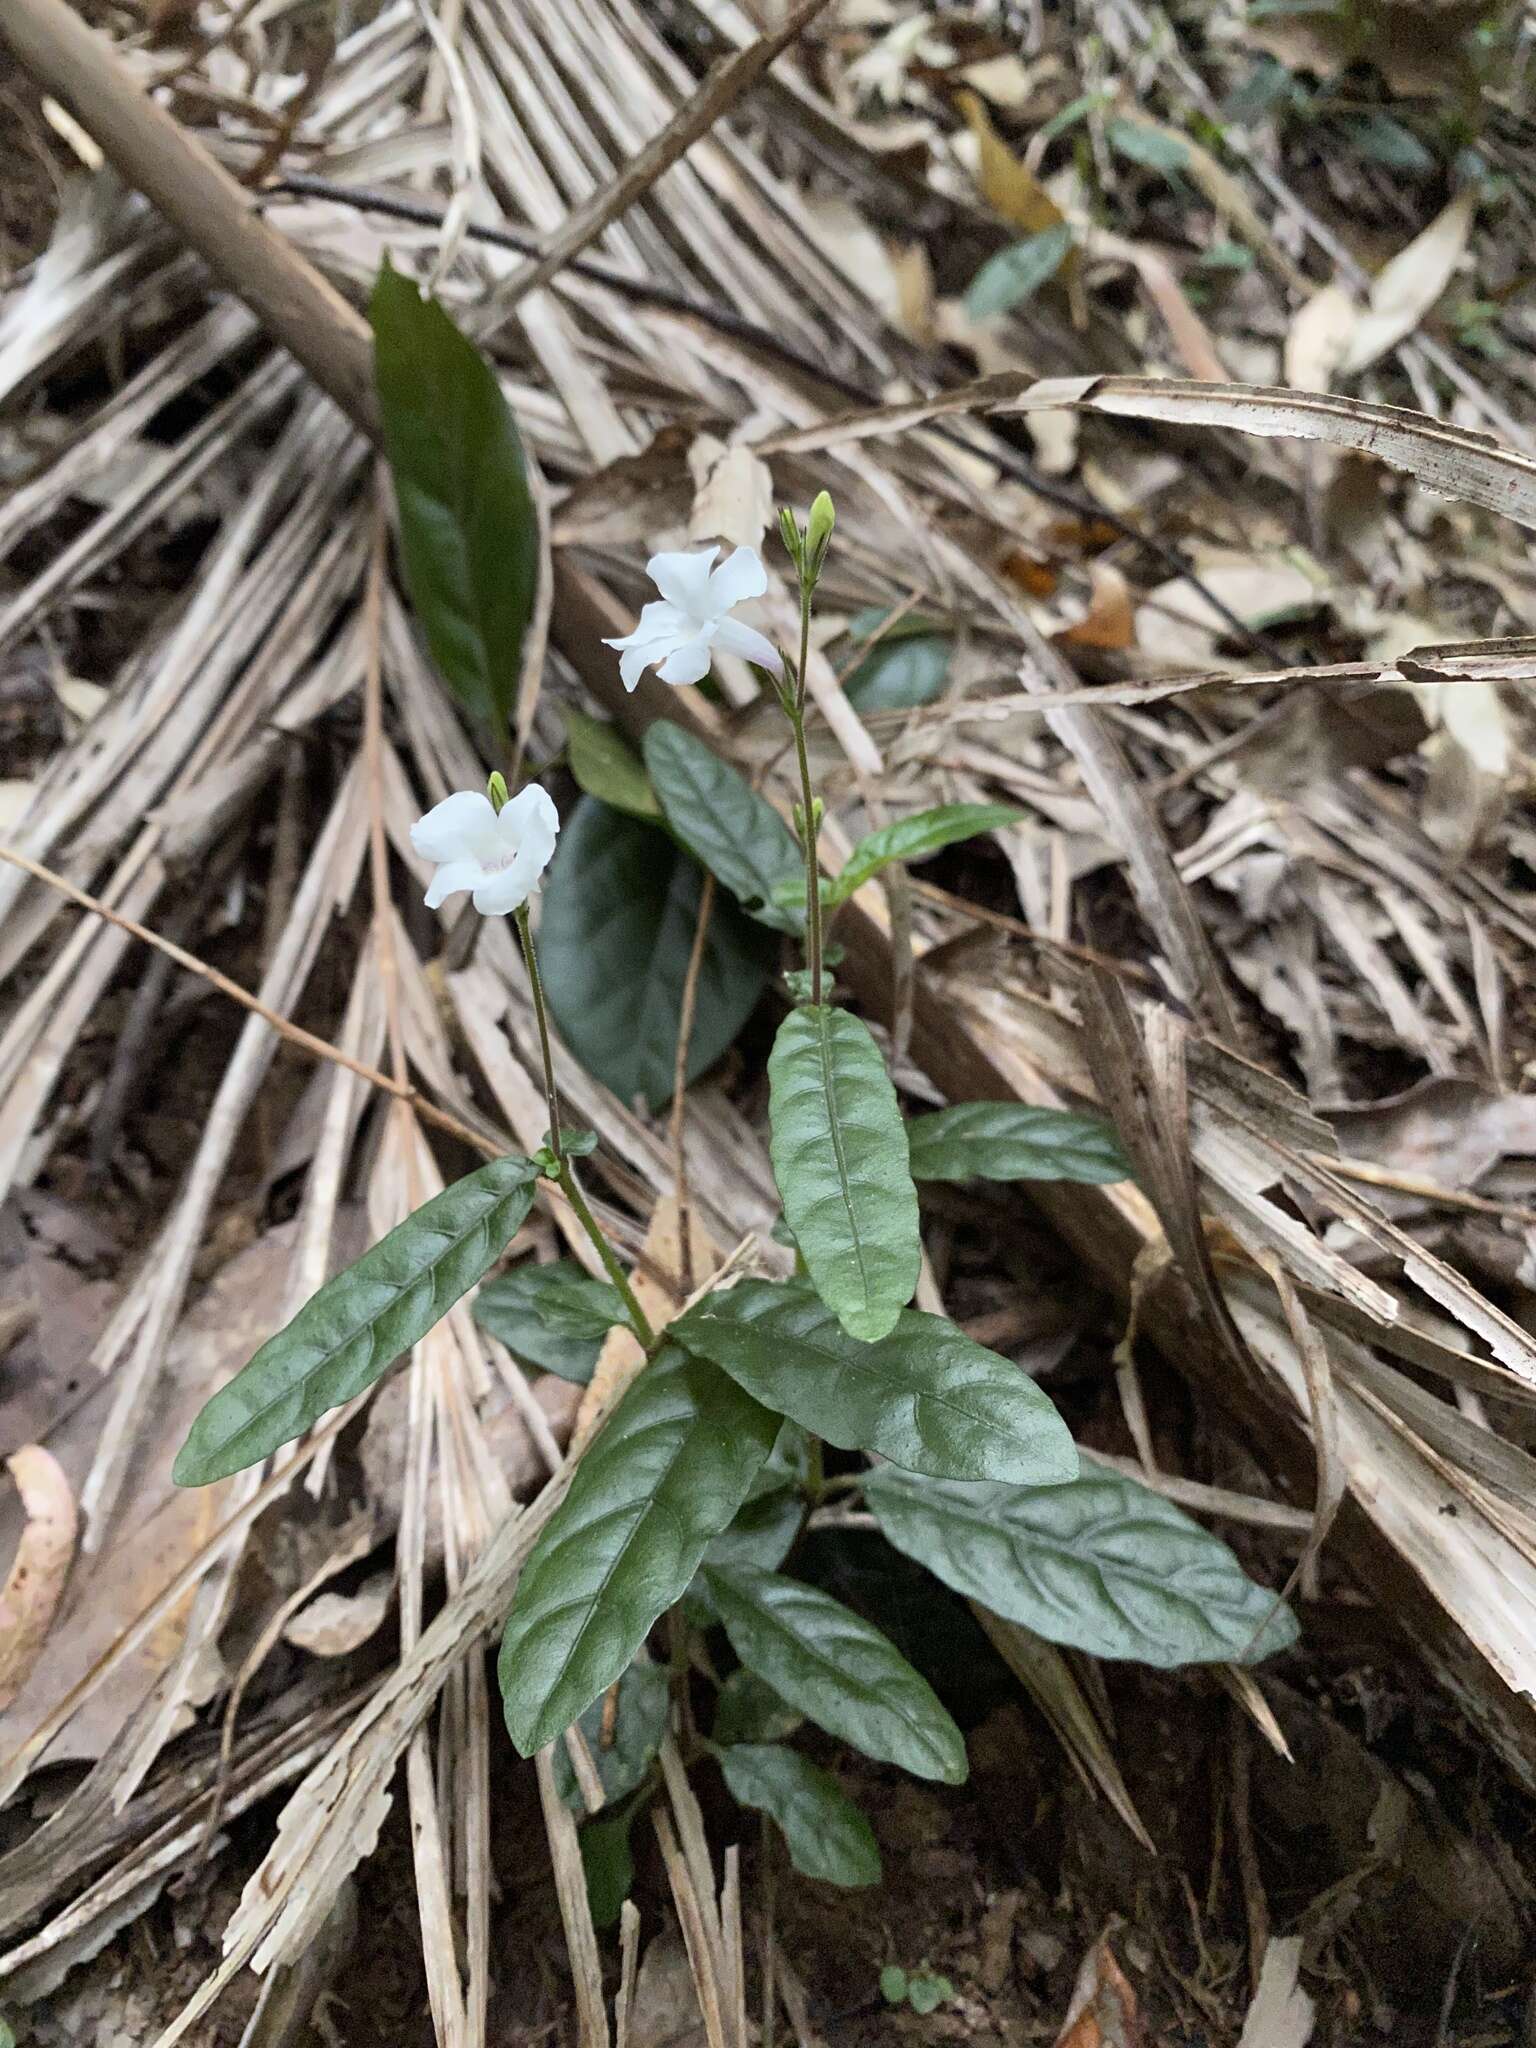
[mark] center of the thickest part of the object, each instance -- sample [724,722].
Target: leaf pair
[346,1336]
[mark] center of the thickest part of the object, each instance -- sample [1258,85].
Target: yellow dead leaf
[1016,193]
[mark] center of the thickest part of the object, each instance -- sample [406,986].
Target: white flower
[677,636]
[500,857]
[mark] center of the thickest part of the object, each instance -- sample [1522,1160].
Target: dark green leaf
[605,767]
[917,838]
[638,1726]
[608,1867]
[346,1336]
[827,1661]
[620,909]
[555,1317]
[469,534]
[723,822]
[667,1473]
[1102,1564]
[828,1837]
[1017,273]
[893,1984]
[1147,145]
[839,1152]
[1014,1141]
[923,1395]
[749,1710]
[907,666]
[766,1524]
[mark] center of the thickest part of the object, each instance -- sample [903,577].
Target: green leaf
[469,533]
[893,1984]
[923,1395]
[724,823]
[917,838]
[1147,145]
[749,1710]
[1014,1141]
[639,1725]
[839,1152]
[608,1867]
[907,666]
[346,1336]
[605,767]
[827,1661]
[828,1837]
[620,908]
[766,1524]
[926,1992]
[668,1471]
[1017,273]
[1102,1564]
[555,1317]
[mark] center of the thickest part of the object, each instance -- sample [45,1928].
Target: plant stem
[808,830]
[536,987]
[639,1322]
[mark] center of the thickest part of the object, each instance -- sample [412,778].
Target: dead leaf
[334,1624]
[1104,2012]
[1110,620]
[733,493]
[1406,289]
[1319,338]
[35,1585]
[1016,193]
[1281,2015]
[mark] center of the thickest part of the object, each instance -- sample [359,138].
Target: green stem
[809,834]
[536,986]
[638,1320]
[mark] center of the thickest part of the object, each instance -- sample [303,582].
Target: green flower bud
[794,540]
[818,533]
[496,790]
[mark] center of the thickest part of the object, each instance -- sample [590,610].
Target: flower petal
[732,637]
[688,663]
[634,662]
[451,877]
[740,576]
[508,891]
[660,625]
[529,823]
[684,580]
[455,828]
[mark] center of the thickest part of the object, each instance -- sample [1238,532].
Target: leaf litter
[1285,796]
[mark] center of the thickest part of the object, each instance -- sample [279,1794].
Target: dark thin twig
[301,185]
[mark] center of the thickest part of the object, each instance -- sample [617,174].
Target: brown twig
[680,1081]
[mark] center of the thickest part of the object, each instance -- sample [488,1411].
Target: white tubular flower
[677,637]
[500,857]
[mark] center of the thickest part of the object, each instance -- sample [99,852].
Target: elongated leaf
[345,1337]
[1014,1141]
[1103,1564]
[1017,273]
[723,822]
[900,673]
[924,1395]
[916,838]
[826,1660]
[749,1710]
[639,1721]
[839,1153]
[620,909]
[555,1317]
[469,534]
[827,1835]
[669,1470]
[608,1865]
[606,768]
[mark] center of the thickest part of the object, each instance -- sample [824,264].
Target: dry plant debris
[1172,374]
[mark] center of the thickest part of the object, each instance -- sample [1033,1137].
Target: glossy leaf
[1014,1141]
[605,767]
[1017,273]
[620,908]
[907,666]
[469,533]
[608,1865]
[1151,146]
[923,1395]
[724,823]
[827,1835]
[667,1473]
[1103,1564]
[917,838]
[346,1336]
[555,1317]
[839,1152]
[749,1710]
[826,1660]
[639,1723]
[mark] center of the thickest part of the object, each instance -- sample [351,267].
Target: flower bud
[496,790]
[794,540]
[818,534]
